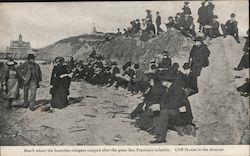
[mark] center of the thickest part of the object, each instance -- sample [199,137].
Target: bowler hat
[186,3]
[165,52]
[114,63]
[31,56]
[11,63]
[148,10]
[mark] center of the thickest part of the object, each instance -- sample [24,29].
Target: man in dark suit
[137,26]
[31,75]
[231,28]
[158,23]
[166,60]
[202,16]
[198,56]
[186,9]
[187,26]
[173,102]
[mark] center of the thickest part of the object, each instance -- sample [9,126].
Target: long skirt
[59,98]
[12,88]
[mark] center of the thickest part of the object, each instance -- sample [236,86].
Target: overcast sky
[46,23]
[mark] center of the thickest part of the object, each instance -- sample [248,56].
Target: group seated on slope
[163,86]
[183,21]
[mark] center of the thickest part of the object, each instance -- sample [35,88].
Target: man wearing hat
[31,75]
[231,28]
[171,23]
[202,15]
[173,102]
[186,9]
[198,57]
[158,23]
[187,26]
[212,29]
[166,60]
[209,12]
[149,15]
[137,26]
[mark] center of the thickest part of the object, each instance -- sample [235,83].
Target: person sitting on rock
[137,26]
[174,109]
[198,56]
[231,28]
[130,72]
[187,26]
[114,71]
[177,19]
[171,23]
[93,54]
[166,61]
[212,29]
[148,119]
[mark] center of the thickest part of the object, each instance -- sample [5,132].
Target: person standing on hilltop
[202,15]
[198,57]
[186,9]
[158,23]
[231,28]
[209,12]
[31,75]
[149,15]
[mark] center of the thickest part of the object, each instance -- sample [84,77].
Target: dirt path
[92,118]
[219,109]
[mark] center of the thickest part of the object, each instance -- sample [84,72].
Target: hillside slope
[133,49]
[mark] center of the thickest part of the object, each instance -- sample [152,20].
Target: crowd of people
[184,22]
[164,87]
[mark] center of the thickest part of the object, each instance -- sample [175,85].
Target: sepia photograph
[125,73]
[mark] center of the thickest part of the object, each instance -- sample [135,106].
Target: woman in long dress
[60,81]
[11,85]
